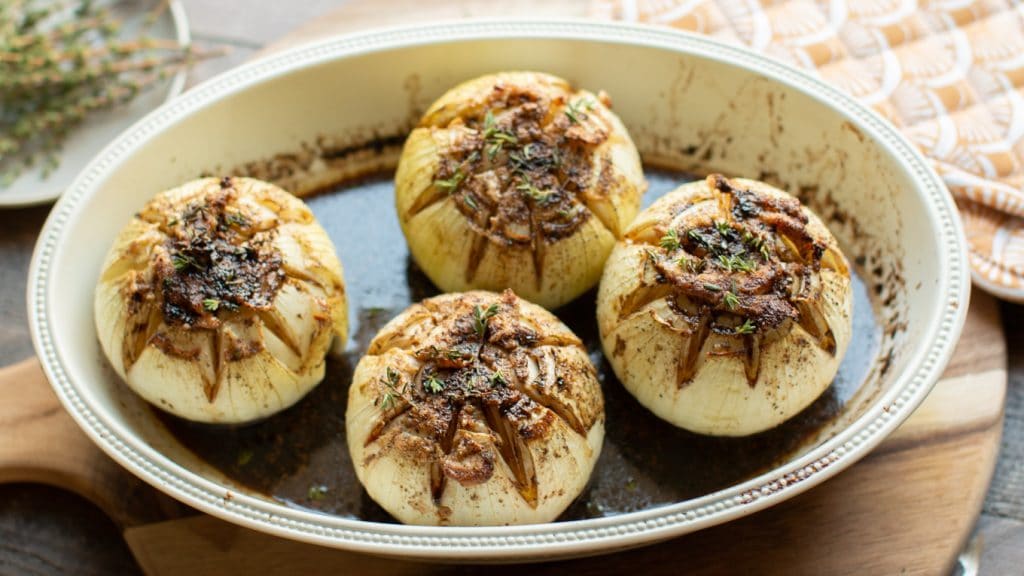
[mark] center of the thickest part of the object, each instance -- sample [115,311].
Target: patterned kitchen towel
[948,73]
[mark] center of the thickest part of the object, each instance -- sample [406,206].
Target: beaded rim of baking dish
[530,541]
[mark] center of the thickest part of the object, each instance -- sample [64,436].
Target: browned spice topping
[482,373]
[219,263]
[216,264]
[747,274]
[519,166]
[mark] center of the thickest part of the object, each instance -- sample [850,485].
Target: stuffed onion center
[738,264]
[518,165]
[483,371]
[218,261]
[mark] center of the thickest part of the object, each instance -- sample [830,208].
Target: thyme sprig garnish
[732,262]
[317,492]
[392,379]
[494,137]
[539,196]
[451,183]
[756,243]
[433,384]
[183,262]
[211,304]
[576,110]
[498,379]
[481,316]
[747,327]
[59,66]
[731,300]
[236,219]
[670,241]
[691,265]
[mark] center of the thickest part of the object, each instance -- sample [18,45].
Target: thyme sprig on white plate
[60,63]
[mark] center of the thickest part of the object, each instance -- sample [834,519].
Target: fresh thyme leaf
[747,327]
[481,317]
[533,192]
[735,262]
[236,219]
[449,185]
[317,492]
[494,137]
[723,227]
[764,252]
[498,379]
[725,262]
[182,262]
[386,400]
[391,380]
[742,264]
[713,287]
[470,202]
[211,304]
[731,301]
[670,241]
[433,384]
[573,111]
[691,265]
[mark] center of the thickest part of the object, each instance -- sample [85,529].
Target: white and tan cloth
[948,73]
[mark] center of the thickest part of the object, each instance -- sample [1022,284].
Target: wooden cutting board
[908,508]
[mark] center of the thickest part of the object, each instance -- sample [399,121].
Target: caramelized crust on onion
[729,269]
[476,398]
[216,280]
[527,163]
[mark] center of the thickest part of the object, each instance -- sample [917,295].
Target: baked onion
[727,308]
[218,302]
[517,180]
[475,409]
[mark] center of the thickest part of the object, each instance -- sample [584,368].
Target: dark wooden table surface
[44,530]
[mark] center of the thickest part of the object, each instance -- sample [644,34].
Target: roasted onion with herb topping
[219,301]
[517,180]
[727,308]
[475,409]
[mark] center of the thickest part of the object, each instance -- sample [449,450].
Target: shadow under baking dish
[301,458]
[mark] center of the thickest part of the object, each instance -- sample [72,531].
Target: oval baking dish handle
[39,442]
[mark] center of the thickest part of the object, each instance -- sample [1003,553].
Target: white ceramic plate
[688,101]
[31,187]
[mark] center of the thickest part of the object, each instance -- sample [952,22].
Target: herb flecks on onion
[517,180]
[475,409]
[727,307]
[220,299]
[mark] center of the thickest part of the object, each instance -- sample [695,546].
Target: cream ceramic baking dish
[314,115]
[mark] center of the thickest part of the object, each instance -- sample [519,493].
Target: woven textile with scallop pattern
[948,73]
